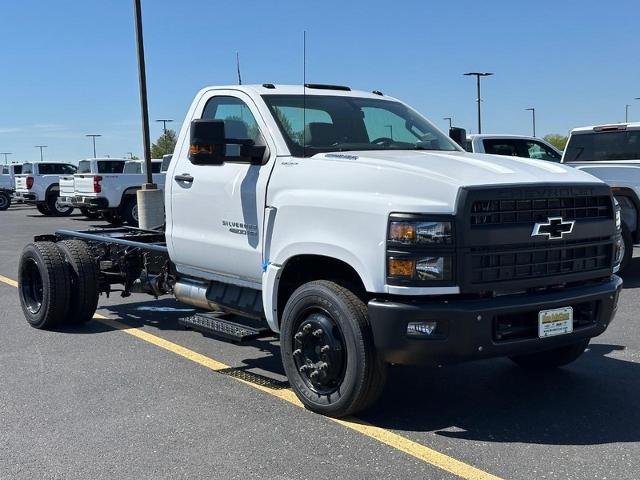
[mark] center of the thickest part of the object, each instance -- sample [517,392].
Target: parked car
[91,172]
[7,175]
[612,153]
[513,146]
[38,184]
[359,247]
[114,195]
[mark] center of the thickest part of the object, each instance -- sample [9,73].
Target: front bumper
[92,203]
[473,329]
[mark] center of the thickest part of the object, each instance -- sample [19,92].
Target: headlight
[618,211]
[421,269]
[420,250]
[420,233]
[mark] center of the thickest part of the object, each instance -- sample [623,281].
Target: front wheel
[56,208]
[130,212]
[554,358]
[5,201]
[328,352]
[43,209]
[90,214]
[113,217]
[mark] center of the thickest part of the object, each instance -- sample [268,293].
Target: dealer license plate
[558,321]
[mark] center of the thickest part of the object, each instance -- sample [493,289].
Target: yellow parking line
[403,444]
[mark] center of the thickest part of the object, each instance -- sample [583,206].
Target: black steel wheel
[5,201]
[130,211]
[327,350]
[43,285]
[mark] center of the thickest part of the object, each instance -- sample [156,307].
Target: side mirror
[458,135]
[209,145]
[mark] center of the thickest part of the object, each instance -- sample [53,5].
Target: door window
[497,146]
[539,151]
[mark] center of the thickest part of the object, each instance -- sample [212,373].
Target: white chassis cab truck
[301,213]
[38,184]
[612,153]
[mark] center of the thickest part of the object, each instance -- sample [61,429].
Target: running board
[214,324]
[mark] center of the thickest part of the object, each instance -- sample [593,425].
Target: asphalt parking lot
[136,396]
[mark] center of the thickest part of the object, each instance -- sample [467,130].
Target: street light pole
[478,75]
[150,198]
[533,112]
[93,137]
[6,161]
[164,123]
[626,113]
[450,120]
[41,147]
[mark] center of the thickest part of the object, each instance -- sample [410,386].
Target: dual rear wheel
[58,283]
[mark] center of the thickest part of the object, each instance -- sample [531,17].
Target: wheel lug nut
[298,336]
[317,333]
[325,349]
[314,375]
[297,352]
[323,366]
[306,328]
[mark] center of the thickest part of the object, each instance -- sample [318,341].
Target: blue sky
[68,67]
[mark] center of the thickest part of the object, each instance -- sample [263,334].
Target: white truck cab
[352,227]
[513,146]
[38,184]
[611,153]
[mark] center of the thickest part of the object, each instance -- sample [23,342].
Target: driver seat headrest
[320,134]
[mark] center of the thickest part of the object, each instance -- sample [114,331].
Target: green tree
[557,140]
[164,145]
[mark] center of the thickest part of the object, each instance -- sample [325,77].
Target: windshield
[603,146]
[318,124]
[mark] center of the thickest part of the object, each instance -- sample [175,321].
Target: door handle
[185,177]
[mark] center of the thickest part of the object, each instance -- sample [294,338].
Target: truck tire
[55,208]
[328,352]
[554,358]
[43,209]
[44,285]
[5,201]
[627,245]
[113,217]
[83,272]
[91,214]
[130,211]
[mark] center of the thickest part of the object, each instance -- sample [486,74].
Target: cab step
[217,325]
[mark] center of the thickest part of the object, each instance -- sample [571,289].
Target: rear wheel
[130,212]
[44,285]
[92,214]
[554,358]
[83,271]
[5,201]
[43,209]
[328,352]
[113,217]
[56,208]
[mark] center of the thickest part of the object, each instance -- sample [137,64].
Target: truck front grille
[534,261]
[498,212]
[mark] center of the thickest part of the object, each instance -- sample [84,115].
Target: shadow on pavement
[593,401]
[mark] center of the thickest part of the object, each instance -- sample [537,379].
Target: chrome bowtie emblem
[554,227]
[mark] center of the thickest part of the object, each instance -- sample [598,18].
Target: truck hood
[461,169]
[406,181]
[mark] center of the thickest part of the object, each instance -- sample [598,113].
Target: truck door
[217,218]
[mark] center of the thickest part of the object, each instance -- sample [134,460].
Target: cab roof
[311,89]
[608,126]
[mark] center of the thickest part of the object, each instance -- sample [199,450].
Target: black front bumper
[473,329]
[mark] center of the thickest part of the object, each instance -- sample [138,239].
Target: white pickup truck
[612,153]
[513,146]
[301,212]
[38,184]
[7,183]
[78,190]
[108,187]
